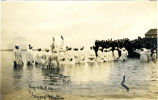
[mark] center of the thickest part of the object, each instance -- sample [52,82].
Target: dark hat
[76,49]
[39,49]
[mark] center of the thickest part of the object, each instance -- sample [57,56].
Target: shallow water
[87,82]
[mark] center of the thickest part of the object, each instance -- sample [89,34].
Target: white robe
[110,56]
[29,56]
[100,57]
[126,54]
[154,57]
[38,57]
[81,57]
[70,57]
[45,57]
[18,57]
[116,55]
[105,56]
[62,57]
[143,56]
[76,57]
[91,57]
[53,59]
[123,55]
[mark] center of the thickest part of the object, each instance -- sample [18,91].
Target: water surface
[87,82]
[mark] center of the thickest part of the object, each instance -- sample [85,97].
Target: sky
[80,22]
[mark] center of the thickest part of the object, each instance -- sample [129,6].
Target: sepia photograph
[78,50]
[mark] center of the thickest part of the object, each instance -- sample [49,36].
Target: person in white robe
[38,57]
[91,56]
[143,56]
[81,56]
[54,58]
[62,57]
[154,56]
[148,54]
[126,54]
[110,54]
[116,54]
[76,55]
[70,56]
[105,55]
[18,61]
[29,56]
[100,57]
[123,54]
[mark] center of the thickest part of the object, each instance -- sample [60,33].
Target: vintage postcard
[78,50]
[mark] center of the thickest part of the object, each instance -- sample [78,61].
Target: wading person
[54,58]
[115,54]
[143,56]
[45,57]
[105,54]
[110,54]
[123,54]
[76,55]
[69,56]
[38,57]
[91,56]
[154,56]
[17,56]
[81,56]
[100,57]
[29,56]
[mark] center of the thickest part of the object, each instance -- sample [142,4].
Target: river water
[100,81]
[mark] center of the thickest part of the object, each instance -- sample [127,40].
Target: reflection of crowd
[103,51]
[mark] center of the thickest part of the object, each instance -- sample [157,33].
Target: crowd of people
[103,51]
[129,45]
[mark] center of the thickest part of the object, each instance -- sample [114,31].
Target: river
[100,81]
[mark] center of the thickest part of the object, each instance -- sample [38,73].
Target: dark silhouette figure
[129,45]
[122,83]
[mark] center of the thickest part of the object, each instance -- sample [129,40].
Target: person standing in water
[29,56]
[105,54]
[100,57]
[76,55]
[69,56]
[17,56]
[81,56]
[154,56]
[123,54]
[143,56]
[110,54]
[91,56]
[38,57]
[54,58]
[116,54]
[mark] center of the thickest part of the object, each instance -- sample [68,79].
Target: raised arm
[62,44]
[53,44]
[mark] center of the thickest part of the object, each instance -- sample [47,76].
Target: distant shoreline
[21,49]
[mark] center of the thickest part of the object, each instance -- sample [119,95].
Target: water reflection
[87,73]
[17,76]
[30,68]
